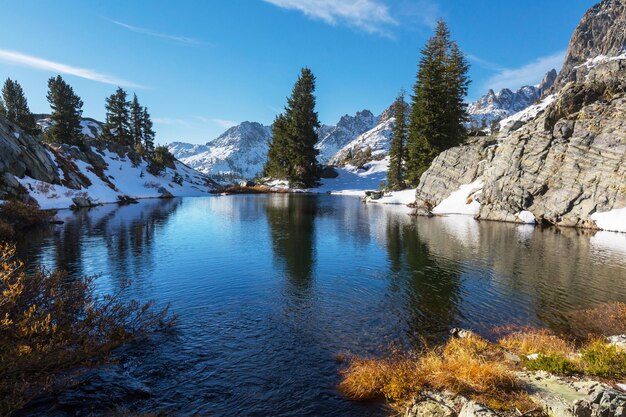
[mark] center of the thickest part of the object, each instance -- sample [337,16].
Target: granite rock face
[599,33]
[562,165]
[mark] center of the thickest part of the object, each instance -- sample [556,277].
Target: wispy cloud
[371,16]
[220,122]
[170,121]
[528,74]
[485,63]
[46,65]
[156,34]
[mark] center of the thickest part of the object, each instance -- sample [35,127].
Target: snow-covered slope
[333,138]
[121,177]
[373,144]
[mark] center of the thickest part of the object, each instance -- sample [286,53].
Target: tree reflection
[429,287]
[292,226]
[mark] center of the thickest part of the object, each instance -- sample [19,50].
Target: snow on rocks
[515,121]
[613,220]
[462,201]
[526,217]
[120,178]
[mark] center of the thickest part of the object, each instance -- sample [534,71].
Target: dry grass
[527,341]
[469,366]
[51,324]
[15,216]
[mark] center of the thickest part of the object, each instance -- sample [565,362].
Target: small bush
[17,216]
[161,158]
[604,360]
[51,324]
[552,363]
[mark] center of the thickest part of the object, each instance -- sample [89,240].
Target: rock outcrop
[562,163]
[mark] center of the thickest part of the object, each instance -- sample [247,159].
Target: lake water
[270,288]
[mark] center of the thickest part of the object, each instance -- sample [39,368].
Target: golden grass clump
[51,323]
[527,341]
[469,366]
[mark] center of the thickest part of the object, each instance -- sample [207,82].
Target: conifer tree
[147,131]
[438,110]
[395,174]
[16,108]
[136,122]
[292,153]
[277,164]
[117,127]
[66,113]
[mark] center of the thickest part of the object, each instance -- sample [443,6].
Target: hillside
[57,176]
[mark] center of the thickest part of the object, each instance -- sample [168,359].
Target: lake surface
[270,288]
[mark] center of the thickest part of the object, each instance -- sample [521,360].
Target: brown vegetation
[15,216]
[51,323]
[604,320]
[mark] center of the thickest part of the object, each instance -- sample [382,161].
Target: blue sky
[201,66]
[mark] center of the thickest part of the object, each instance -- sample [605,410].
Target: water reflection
[292,226]
[270,287]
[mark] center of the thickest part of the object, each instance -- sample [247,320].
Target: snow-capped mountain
[240,152]
[370,145]
[497,106]
[333,138]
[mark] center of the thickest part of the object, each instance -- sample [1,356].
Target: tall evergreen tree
[66,113]
[278,164]
[16,108]
[395,173]
[147,131]
[292,153]
[117,127]
[438,110]
[136,122]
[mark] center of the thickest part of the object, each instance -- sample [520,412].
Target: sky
[203,66]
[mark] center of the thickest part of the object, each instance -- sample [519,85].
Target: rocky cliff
[563,162]
[57,176]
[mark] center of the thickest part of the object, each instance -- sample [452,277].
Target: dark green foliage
[14,106]
[117,127]
[160,159]
[278,162]
[147,131]
[66,113]
[395,177]
[292,154]
[136,122]
[438,110]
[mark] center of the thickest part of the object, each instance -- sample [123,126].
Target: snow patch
[529,112]
[526,217]
[613,220]
[600,59]
[397,197]
[462,201]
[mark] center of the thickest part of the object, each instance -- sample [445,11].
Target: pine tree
[277,164]
[438,110]
[16,108]
[395,174]
[136,122]
[147,131]
[117,127]
[292,154]
[66,113]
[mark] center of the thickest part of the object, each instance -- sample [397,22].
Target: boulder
[164,192]
[83,202]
